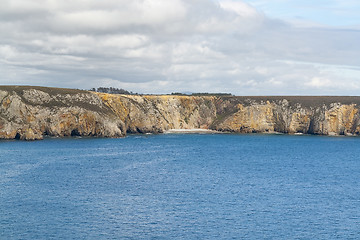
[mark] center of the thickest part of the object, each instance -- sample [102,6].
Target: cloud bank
[166,46]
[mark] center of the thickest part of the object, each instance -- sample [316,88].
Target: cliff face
[311,115]
[156,114]
[32,112]
[292,115]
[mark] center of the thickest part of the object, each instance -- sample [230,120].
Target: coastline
[32,113]
[193,130]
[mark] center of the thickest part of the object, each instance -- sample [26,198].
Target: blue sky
[325,12]
[246,47]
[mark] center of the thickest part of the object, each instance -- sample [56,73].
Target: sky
[243,47]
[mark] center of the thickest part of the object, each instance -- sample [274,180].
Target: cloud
[165,46]
[240,8]
[319,82]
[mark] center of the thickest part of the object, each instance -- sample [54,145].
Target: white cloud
[240,8]
[7,52]
[318,82]
[172,45]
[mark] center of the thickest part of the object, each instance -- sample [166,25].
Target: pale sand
[193,130]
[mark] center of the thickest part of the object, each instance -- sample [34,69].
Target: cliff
[31,112]
[156,114]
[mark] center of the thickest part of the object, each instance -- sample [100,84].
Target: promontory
[30,113]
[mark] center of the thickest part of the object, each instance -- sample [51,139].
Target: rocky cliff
[156,114]
[31,112]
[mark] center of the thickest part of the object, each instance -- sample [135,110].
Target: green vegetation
[53,102]
[50,90]
[112,90]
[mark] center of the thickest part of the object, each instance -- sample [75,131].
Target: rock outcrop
[156,114]
[30,113]
[307,115]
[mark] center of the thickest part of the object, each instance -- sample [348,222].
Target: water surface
[191,186]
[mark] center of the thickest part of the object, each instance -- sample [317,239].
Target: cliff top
[49,90]
[57,97]
[306,101]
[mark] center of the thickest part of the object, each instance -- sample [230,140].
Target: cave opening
[17,136]
[75,132]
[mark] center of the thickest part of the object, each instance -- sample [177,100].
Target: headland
[30,113]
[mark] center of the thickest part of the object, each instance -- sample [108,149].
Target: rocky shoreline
[30,113]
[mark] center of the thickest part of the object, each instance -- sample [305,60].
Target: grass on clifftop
[49,90]
[58,91]
[305,101]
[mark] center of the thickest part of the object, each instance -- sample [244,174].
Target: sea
[181,186]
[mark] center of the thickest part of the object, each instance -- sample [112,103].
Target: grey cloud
[178,45]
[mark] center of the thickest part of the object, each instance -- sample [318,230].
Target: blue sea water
[190,186]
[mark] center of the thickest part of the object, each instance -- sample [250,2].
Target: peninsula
[30,113]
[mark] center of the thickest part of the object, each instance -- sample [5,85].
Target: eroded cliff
[32,112]
[308,115]
[156,114]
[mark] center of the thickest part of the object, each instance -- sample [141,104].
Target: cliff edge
[30,113]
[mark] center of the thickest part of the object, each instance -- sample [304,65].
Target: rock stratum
[30,113]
